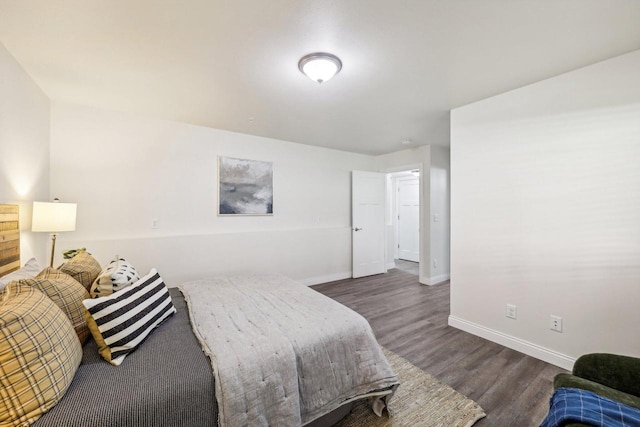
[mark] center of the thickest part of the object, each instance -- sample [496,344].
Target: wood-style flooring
[411,320]
[407,266]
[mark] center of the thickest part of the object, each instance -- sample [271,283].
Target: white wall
[546,213]
[24,149]
[124,170]
[439,229]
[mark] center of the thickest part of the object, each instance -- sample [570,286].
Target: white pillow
[30,270]
[116,276]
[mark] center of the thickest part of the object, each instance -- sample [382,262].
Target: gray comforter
[283,354]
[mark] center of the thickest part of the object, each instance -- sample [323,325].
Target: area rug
[421,400]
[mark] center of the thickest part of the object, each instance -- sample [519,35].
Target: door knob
[357,229]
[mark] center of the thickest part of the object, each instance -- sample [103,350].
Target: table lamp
[53,217]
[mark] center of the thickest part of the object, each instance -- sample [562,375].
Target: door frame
[423,276]
[396,222]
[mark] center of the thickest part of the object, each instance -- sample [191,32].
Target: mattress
[167,381]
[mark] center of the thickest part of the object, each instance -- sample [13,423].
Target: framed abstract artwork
[245,187]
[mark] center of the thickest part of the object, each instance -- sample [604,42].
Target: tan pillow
[39,357]
[82,267]
[67,293]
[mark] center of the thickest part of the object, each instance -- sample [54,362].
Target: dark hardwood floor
[411,320]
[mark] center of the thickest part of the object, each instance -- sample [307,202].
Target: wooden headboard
[9,239]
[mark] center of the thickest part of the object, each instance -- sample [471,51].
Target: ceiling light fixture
[320,66]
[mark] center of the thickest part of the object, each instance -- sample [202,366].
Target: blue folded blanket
[575,405]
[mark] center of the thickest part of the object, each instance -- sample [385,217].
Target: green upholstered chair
[608,375]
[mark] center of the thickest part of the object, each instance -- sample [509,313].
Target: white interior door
[409,219]
[367,225]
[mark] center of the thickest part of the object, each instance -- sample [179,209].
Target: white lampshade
[53,217]
[320,66]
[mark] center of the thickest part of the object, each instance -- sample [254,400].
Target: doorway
[408,218]
[404,219]
[374,198]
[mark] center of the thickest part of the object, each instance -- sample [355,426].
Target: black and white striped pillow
[121,321]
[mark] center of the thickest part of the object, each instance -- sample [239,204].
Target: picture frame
[245,187]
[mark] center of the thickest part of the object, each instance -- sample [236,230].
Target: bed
[166,382]
[170,379]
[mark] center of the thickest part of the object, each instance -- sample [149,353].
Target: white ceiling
[219,63]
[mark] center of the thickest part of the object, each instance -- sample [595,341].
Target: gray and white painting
[245,187]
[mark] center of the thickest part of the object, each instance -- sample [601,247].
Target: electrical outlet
[555,323]
[155,223]
[511,311]
[435,263]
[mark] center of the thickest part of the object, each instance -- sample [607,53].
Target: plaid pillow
[40,354]
[67,293]
[82,267]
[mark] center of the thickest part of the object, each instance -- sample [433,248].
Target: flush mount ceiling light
[320,66]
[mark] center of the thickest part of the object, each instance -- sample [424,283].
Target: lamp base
[53,248]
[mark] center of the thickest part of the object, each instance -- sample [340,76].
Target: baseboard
[439,279]
[533,350]
[434,280]
[310,281]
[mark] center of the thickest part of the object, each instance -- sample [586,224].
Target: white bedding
[283,354]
